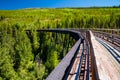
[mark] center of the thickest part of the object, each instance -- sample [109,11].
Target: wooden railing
[110,35]
[64,67]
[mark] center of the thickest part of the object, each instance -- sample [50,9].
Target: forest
[26,54]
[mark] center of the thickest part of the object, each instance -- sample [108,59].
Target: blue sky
[18,4]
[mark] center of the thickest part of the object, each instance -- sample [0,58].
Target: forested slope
[62,18]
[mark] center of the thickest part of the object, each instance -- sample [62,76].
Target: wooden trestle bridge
[80,62]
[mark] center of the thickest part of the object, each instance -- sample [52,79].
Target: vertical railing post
[112,38]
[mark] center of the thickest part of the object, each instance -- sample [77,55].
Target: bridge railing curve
[64,66]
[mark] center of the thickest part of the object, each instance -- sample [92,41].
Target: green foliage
[62,18]
[52,61]
[16,57]
[29,55]
[6,69]
[2,18]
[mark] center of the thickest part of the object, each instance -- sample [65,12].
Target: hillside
[62,18]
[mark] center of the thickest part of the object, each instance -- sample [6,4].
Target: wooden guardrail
[110,35]
[64,66]
[109,31]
